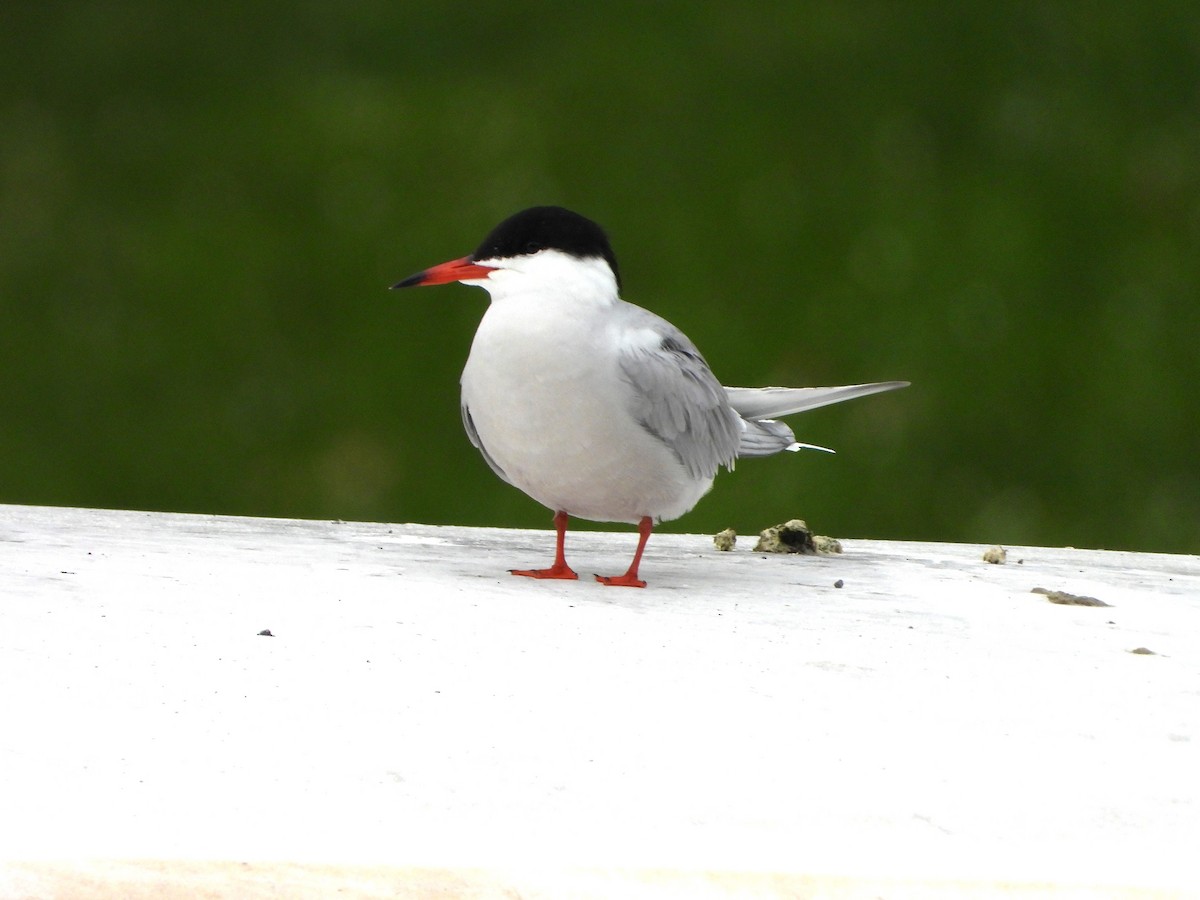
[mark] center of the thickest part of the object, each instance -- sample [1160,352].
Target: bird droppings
[266,632]
[995,555]
[1143,651]
[826,544]
[1067,599]
[839,583]
[794,536]
[725,540]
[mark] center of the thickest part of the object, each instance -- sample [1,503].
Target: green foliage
[200,208]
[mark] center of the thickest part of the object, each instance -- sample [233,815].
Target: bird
[597,408]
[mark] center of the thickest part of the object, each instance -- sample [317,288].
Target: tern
[594,407]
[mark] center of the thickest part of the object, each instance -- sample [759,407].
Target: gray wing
[675,395]
[766,403]
[473,436]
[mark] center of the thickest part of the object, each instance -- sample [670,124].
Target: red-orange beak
[463,269]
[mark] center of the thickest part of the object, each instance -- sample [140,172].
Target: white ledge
[420,720]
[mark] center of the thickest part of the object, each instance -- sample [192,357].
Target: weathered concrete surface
[421,721]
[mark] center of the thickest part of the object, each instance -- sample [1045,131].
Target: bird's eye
[533,247]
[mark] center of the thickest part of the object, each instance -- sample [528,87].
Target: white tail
[769,402]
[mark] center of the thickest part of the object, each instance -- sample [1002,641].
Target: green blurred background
[201,208]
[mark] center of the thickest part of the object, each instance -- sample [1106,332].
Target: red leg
[560,568]
[630,579]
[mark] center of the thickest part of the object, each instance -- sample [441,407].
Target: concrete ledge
[422,722]
[173,880]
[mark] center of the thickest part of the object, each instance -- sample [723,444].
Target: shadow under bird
[592,406]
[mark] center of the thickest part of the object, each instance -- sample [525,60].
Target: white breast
[550,407]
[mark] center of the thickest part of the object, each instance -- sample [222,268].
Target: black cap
[547,228]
